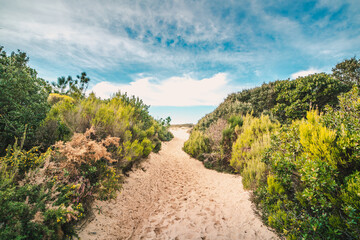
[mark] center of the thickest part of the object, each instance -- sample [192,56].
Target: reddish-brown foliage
[82,149]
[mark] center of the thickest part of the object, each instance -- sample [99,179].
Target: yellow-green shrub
[317,140]
[131,150]
[253,139]
[55,127]
[56,97]
[21,161]
[109,184]
[315,176]
[42,195]
[197,144]
[31,205]
[147,147]
[113,117]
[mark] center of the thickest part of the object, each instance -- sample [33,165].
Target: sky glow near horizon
[181,57]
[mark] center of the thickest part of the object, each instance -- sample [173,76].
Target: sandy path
[174,197]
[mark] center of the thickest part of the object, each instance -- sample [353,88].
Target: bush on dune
[296,97]
[304,172]
[73,149]
[314,167]
[253,139]
[283,100]
[23,98]
[197,144]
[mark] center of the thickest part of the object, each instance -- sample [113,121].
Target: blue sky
[181,57]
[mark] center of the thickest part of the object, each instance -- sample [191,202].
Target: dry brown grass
[214,132]
[82,149]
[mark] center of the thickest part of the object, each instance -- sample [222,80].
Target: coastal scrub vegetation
[296,145]
[61,149]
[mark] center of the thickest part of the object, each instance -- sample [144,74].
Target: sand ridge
[173,196]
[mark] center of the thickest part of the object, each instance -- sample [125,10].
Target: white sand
[175,197]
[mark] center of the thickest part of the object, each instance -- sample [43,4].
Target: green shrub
[296,97]
[253,139]
[54,127]
[147,146]
[313,178]
[19,206]
[157,146]
[165,135]
[163,132]
[351,202]
[304,173]
[229,135]
[348,71]
[109,183]
[197,144]
[131,150]
[28,197]
[44,192]
[23,98]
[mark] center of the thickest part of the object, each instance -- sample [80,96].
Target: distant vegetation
[296,145]
[187,125]
[60,150]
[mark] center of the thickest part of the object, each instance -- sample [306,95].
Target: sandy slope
[174,197]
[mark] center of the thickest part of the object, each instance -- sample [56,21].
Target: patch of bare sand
[174,197]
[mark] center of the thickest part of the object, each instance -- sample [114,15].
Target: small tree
[23,99]
[72,87]
[348,71]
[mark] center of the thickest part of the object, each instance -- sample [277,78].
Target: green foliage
[121,116]
[197,144]
[18,207]
[164,134]
[229,135]
[75,88]
[54,127]
[256,100]
[24,160]
[318,141]
[253,139]
[312,178]
[351,199]
[22,99]
[345,121]
[348,71]
[44,192]
[296,97]
[157,146]
[55,98]
[27,198]
[147,147]
[304,173]
[163,129]
[109,184]
[132,150]
[284,100]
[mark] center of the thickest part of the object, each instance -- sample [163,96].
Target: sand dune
[174,197]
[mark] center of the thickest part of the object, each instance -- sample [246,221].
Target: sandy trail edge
[174,197]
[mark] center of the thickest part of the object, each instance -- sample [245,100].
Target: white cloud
[174,91]
[110,36]
[98,38]
[305,73]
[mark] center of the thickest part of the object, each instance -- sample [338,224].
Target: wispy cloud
[178,37]
[212,47]
[174,91]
